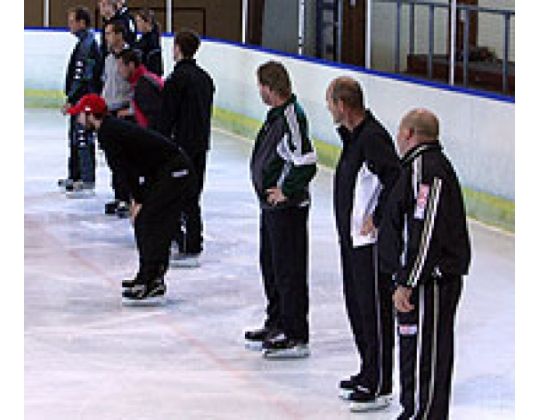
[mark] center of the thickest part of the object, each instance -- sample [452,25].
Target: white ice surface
[87,357]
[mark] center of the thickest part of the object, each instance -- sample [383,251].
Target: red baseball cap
[90,103]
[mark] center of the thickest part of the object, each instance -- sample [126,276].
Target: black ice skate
[362,400]
[63,182]
[254,339]
[122,210]
[348,386]
[281,347]
[110,207]
[80,189]
[144,293]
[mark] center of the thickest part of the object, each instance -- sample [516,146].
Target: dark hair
[130,56]
[149,16]
[81,13]
[118,27]
[348,91]
[274,75]
[188,41]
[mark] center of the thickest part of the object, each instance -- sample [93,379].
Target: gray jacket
[116,90]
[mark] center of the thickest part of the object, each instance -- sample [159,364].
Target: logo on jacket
[421,201]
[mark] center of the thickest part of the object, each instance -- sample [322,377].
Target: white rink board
[478,133]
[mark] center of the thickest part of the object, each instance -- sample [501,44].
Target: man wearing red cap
[170,182]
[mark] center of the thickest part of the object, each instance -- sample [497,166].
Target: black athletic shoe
[281,347]
[141,291]
[122,210]
[362,400]
[255,338]
[110,207]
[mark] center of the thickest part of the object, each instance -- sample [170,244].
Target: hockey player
[367,169]
[425,244]
[170,182]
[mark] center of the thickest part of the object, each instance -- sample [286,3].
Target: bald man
[367,169]
[424,243]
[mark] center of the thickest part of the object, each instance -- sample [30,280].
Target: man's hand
[135,209]
[402,299]
[275,196]
[64,109]
[368,228]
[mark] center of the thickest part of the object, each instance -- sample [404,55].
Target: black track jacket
[139,152]
[186,106]
[366,171]
[424,231]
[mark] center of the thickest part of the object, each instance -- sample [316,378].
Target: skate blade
[253,345]
[148,302]
[184,264]
[297,353]
[380,403]
[80,194]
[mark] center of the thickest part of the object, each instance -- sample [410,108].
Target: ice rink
[87,357]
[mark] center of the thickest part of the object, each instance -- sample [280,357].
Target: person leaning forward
[169,183]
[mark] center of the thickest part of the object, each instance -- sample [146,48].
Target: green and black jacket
[283,156]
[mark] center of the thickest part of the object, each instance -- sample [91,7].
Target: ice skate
[362,401]
[281,347]
[80,189]
[143,294]
[254,339]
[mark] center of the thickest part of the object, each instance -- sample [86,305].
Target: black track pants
[426,349]
[284,267]
[158,219]
[368,300]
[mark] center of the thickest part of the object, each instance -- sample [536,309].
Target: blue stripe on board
[326,63]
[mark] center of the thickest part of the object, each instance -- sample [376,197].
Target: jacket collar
[418,150]
[347,135]
[136,75]
[184,61]
[81,33]
[278,110]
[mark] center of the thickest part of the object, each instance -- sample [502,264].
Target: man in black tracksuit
[82,77]
[425,244]
[169,182]
[185,116]
[283,163]
[366,171]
